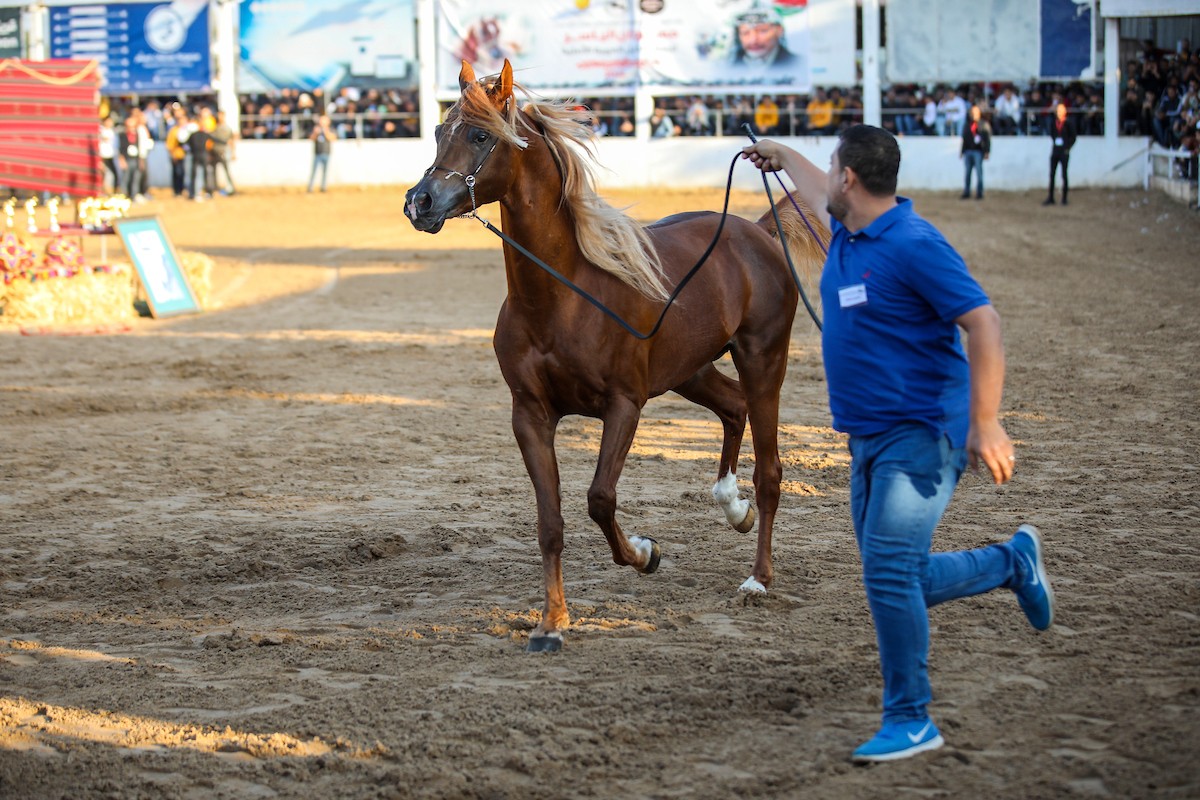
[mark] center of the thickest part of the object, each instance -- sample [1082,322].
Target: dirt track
[285,548]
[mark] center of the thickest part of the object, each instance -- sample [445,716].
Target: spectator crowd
[1160,100]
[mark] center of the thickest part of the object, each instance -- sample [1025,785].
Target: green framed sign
[167,289]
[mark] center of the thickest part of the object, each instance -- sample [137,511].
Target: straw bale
[63,291]
[86,297]
[198,268]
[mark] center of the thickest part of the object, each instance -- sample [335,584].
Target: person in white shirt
[145,145]
[1008,113]
[930,118]
[952,110]
[108,155]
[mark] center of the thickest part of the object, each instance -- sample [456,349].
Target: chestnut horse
[560,355]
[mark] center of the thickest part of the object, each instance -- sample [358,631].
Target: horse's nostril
[424,202]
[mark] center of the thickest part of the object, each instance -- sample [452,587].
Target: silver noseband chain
[467,179]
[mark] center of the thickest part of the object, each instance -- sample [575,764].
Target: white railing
[1175,171]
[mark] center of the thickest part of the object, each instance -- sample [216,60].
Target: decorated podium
[49,132]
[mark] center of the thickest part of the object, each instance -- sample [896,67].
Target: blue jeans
[973,160]
[900,484]
[319,160]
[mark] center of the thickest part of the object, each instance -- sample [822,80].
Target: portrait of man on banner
[751,42]
[759,39]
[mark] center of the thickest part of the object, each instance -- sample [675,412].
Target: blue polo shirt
[890,295]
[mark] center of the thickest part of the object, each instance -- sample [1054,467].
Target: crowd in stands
[1161,100]
[907,111]
[355,113]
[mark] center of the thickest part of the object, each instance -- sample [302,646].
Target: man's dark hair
[874,155]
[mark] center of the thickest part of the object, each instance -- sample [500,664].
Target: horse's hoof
[544,643]
[655,557]
[748,522]
[752,586]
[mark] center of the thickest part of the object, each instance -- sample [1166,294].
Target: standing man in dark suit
[1062,131]
[976,147]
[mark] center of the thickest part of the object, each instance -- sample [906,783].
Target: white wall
[932,163]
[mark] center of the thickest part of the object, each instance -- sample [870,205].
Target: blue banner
[1066,39]
[326,44]
[143,48]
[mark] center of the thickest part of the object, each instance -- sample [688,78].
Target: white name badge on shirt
[851,296]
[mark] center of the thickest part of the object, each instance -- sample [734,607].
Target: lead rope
[812,312]
[563,279]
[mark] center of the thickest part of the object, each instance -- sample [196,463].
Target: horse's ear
[466,76]
[503,90]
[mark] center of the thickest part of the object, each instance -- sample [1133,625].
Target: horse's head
[475,144]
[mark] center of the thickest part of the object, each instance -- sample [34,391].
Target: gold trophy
[52,205]
[30,222]
[10,208]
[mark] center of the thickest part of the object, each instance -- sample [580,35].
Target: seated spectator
[661,126]
[1007,116]
[820,114]
[698,123]
[766,116]
[929,117]
[1165,115]
[952,110]
[1130,114]
[1093,116]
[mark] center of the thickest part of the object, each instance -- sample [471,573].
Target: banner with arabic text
[621,44]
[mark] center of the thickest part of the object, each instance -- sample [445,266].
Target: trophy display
[52,206]
[30,222]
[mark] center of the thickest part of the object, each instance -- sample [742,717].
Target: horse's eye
[437,132]
[479,137]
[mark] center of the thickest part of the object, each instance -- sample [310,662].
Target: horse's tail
[807,240]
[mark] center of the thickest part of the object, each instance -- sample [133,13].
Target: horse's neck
[533,215]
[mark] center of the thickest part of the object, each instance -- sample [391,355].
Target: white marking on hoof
[644,546]
[752,586]
[725,492]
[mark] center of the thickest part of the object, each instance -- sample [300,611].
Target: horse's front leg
[620,425]
[762,377]
[534,429]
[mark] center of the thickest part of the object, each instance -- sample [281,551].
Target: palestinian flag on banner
[789,7]
[50,126]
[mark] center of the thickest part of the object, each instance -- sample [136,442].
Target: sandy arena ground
[285,548]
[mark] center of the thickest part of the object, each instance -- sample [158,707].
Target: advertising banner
[621,44]
[948,41]
[142,48]
[551,43]
[10,33]
[326,44]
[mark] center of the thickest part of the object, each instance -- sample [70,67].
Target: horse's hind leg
[722,395]
[620,424]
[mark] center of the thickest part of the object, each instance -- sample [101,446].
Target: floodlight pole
[427,58]
[225,51]
[872,99]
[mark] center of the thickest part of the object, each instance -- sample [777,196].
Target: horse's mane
[608,237]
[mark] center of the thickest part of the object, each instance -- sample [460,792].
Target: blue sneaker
[1029,578]
[900,740]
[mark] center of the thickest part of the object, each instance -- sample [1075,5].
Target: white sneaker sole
[923,747]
